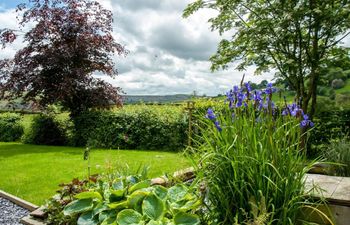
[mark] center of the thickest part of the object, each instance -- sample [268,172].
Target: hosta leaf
[108,217]
[182,218]
[177,192]
[129,217]
[118,205]
[132,179]
[78,206]
[110,221]
[153,207]
[89,194]
[116,195]
[160,191]
[99,208]
[152,222]
[186,204]
[135,200]
[118,185]
[87,219]
[140,185]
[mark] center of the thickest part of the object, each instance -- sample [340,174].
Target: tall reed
[251,161]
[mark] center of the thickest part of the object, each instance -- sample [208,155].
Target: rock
[159,181]
[184,175]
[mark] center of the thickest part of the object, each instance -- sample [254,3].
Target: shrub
[252,161]
[45,130]
[330,124]
[338,83]
[123,200]
[338,151]
[10,127]
[132,128]
[322,90]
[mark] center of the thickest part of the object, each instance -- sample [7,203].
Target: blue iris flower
[217,125]
[270,89]
[248,87]
[210,114]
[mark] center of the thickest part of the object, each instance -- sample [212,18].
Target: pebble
[10,213]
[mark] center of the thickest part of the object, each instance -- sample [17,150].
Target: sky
[167,53]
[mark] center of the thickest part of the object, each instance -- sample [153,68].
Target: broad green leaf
[118,185]
[108,217]
[191,205]
[177,192]
[153,207]
[182,218]
[118,205]
[129,217]
[110,221]
[152,222]
[87,219]
[100,208]
[132,179]
[135,200]
[78,206]
[116,195]
[140,185]
[160,191]
[89,194]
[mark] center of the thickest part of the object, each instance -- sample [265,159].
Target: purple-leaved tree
[70,40]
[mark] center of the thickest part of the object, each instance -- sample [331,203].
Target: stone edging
[18,201]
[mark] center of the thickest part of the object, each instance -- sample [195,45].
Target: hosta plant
[130,200]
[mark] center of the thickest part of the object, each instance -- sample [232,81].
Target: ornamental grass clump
[251,161]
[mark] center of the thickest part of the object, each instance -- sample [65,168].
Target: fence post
[190,107]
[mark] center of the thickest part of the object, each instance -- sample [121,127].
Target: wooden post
[190,107]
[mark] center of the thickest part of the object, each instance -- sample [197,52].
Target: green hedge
[10,127]
[45,130]
[330,125]
[139,128]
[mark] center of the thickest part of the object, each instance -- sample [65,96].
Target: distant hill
[134,99]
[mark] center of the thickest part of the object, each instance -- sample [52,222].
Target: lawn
[33,172]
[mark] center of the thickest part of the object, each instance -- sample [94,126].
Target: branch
[339,40]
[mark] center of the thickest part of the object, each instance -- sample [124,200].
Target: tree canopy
[69,42]
[295,37]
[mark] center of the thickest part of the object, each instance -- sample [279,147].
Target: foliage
[296,38]
[252,161]
[65,195]
[68,42]
[10,127]
[338,151]
[124,200]
[141,127]
[45,130]
[331,123]
[338,83]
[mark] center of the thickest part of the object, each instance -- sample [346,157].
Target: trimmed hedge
[141,128]
[10,127]
[45,130]
[330,125]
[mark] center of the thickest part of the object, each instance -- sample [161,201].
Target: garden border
[18,201]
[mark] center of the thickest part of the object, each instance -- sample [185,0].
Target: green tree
[295,37]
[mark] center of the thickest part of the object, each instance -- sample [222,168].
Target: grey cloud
[172,38]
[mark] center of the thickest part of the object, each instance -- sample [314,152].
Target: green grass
[33,172]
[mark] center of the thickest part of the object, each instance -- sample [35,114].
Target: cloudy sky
[168,54]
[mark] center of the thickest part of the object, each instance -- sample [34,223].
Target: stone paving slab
[334,189]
